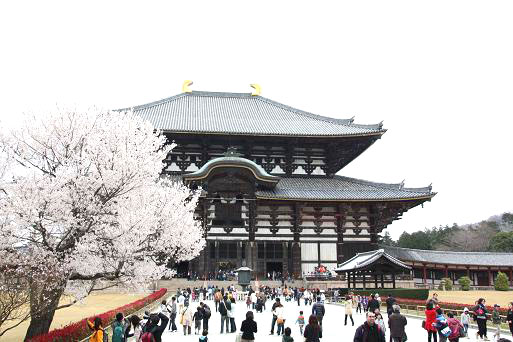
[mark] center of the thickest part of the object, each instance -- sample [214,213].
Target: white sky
[439,73]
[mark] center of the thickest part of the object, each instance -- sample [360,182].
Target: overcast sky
[438,73]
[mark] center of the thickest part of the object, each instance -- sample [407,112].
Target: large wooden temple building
[271,197]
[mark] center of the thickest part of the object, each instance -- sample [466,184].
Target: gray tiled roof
[448,257]
[341,188]
[241,113]
[362,260]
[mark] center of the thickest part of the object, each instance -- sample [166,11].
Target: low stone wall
[180,283]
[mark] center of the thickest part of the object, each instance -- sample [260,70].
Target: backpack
[147,337]
[117,332]
[186,301]
[207,312]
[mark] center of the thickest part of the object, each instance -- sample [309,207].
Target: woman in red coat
[430,320]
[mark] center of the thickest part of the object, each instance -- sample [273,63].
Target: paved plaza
[333,325]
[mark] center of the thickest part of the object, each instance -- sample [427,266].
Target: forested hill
[492,235]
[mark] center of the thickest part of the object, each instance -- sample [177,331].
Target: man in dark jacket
[390,303]
[275,318]
[318,310]
[153,325]
[205,310]
[397,323]
[369,331]
[373,304]
[224,307]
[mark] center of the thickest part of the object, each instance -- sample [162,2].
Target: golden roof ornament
[186,85]
[257,90]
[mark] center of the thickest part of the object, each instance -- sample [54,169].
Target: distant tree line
[492,235]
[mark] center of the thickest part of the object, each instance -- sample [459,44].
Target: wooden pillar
[364,276]
[348,278]
[296,260]
[375,281]
[239,253]
[446,271]
[490,277]
[393,279]
[510,276]
[354,280]
[468,272]
[425,274]
[382,281]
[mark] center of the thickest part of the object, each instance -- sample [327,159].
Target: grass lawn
[469,297]
[92,305]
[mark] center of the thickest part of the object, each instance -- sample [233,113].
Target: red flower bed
[448,305]
[79,330]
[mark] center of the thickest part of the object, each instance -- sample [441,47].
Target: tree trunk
[44,299]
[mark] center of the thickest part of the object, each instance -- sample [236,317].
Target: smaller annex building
[429,266]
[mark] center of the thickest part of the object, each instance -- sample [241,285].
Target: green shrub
[445,284]
[421,294]
[464,283]
[501,282]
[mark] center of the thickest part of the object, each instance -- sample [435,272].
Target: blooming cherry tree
[84,206]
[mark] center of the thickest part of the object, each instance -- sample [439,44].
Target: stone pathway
[333,325]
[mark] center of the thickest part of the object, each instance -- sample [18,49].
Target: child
[248,302]
[379,321]
[197,318]
[496,320]
[465,320]
[203,337]
[286,337]
[301,321]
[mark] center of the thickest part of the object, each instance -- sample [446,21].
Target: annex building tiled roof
[363,260]
[452,258]
[243,114]
[341,188]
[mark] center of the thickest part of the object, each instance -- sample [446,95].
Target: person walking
[509,317]
[120,328]
[480,315]
[369,331]
[275,316]
[496,320]
[206,314]
[97,329]
[318,310]
[198,318]
[186,320]
[397,324]
[313,331]
[301,321]
[224,307]
[280,319]
[286,336]
[173,310]
[373,304]
[390,303]
[231,315]
[348,305]
[137,328]
[154,328]
[430,320]
[248,328]
[442,326]
[465,321]
[455,327]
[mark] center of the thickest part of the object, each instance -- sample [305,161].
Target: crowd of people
[189,307]
[441,326]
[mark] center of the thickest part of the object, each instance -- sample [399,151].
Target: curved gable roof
[244,114]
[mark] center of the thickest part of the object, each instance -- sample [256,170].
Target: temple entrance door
[276,267]
[182,269]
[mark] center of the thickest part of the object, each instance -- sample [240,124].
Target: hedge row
[79,330]
[420,294]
